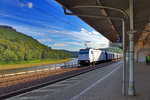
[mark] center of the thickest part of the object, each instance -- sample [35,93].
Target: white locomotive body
[91,56]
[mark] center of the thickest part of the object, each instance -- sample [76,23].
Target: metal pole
[49,67]
[28,70]
[131,90]
[16,71]
[124,58]
[4,73]
[36,69]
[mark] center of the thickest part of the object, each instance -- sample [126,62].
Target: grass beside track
[34,63]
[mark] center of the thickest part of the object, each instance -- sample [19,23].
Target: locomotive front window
[84,52]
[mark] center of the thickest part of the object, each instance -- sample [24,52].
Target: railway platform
[100,84]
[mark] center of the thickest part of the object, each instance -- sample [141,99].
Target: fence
[26,70]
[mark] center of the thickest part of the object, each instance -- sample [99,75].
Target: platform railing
[27,70]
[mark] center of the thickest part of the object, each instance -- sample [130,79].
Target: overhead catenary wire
[37,25]
[34,21]
[22,1]
[62,13]
[30,20]
[24,21]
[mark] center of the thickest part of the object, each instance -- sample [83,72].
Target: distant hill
[13,34]
[15,47]
[7,27]
[73,54]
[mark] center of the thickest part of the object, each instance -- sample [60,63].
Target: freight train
[92,56]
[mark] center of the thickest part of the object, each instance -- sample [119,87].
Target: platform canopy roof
[110,28]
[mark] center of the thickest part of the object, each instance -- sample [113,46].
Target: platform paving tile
[47,90]
[90,78]
[38,93]
[110,88]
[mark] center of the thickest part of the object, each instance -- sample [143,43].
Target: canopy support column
[124,59]
[131,32]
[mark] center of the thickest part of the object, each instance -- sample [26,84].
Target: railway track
[20,84]
[5,82]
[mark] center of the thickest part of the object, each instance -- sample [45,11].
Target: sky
[45,21]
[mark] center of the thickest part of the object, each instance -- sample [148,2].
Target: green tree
[20,56]
[27,56]
[1,48]
[1,58]
[9,56]
[112,50]
[119,51]
[43,55]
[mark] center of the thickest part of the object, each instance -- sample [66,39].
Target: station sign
[118,40]
[116,44]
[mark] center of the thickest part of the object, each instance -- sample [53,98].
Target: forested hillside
[17,47]
[73,54]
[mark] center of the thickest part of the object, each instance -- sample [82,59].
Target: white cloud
[94,32]
[58,32]
[28,30]
[60,45]
[75,43]
[45,40]
[30,5]
[97,40]
[31,31]
[53,31]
